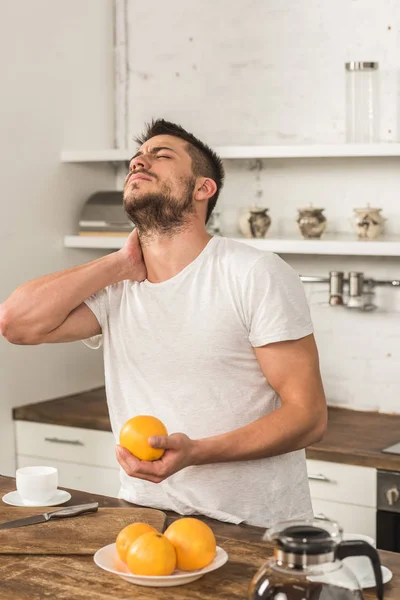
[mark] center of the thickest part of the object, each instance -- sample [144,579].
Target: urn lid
[310,209]
[258,209]
[367,209]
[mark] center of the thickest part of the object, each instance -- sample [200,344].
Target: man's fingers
[128,462]
[126,456]
[166,442]
[137,468]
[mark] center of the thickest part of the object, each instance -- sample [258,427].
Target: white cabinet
[353,519]
[344,493]
[85,458]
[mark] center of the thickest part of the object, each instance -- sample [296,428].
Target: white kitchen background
[253,73]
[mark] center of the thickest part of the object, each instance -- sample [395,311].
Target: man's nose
[140,162]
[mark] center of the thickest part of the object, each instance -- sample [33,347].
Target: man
[211,336]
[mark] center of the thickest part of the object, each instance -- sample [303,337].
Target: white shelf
[329,245]
[310,151]
[95,156]
[107,242]
[243,152]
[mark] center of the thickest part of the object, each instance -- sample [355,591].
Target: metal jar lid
[361,66]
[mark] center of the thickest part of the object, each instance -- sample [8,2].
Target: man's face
[158,190]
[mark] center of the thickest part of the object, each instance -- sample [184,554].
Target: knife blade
[69,511]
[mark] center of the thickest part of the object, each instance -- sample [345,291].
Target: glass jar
[362,102]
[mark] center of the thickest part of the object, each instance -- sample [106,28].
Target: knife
[70,511]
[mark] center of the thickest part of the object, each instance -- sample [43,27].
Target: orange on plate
[151,554]
[194,543]
[128,535]
[135,433]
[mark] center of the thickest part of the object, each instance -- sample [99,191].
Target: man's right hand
[52,308]
[132,254]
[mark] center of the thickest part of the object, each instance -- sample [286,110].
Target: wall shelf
[251,152]
[328,245]
[95,156]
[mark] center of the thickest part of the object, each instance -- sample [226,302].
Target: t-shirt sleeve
[277,308]
[98,305]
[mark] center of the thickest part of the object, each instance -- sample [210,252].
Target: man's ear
[205,188]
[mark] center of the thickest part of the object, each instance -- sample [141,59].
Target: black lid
[305,539]
[307,536]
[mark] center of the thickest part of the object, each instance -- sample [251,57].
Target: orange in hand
[151,554]
[130,534]
[194,543]
[135,433]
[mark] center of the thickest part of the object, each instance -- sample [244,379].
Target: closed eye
[163,156]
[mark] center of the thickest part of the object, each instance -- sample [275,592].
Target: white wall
[56,66]
[259,72]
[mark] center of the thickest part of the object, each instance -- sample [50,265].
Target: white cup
[360,565]
[36,484]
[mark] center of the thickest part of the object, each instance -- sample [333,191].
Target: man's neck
[167,255]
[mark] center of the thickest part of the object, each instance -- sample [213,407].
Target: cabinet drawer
[353,519]
[97,480]
[70,444]
[342,483]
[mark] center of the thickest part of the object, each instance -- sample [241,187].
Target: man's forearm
[43,304]
[286,429]
[289,428]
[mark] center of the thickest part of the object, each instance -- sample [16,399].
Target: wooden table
[78,578]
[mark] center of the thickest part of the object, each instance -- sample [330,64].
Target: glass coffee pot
[307,564]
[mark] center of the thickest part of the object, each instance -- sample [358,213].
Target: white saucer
[107,558]
[369,582]
[60,497]
[336,577]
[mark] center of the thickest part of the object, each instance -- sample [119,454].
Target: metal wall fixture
[360,291]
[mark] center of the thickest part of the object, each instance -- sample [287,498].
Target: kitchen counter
[353,437]
[78,578]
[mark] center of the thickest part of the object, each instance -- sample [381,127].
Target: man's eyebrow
[153,151]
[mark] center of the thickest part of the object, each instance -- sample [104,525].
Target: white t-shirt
[182,351]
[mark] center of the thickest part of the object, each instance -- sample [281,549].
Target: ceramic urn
[254,222]
[311,222]
[368,223]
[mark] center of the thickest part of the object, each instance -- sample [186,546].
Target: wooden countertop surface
[353,437]
[75,577]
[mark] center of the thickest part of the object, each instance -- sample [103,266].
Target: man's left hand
[179,449]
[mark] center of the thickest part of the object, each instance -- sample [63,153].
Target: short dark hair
[205,162]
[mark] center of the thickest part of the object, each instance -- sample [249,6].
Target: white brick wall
[359,352]
[263,71]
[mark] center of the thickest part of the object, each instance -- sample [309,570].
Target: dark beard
[162,213]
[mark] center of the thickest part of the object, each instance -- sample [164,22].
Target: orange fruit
[128,535]
[135,433]
[194,543]
[151,554]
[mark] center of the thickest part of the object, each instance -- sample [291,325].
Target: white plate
[60,497]
[107,558]
[370,582]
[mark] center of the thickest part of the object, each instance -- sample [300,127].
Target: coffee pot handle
[361,548]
